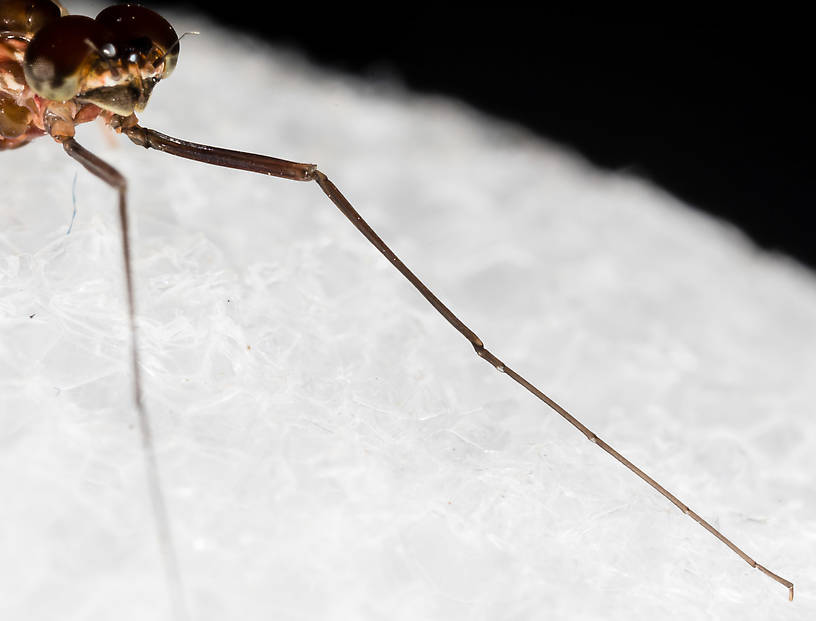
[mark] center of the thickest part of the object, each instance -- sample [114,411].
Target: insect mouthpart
[119,87]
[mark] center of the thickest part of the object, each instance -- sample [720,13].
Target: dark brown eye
[26,17]
[59,54]
[137,29]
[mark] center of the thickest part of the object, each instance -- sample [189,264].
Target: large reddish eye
[60,54]
[26,17]
[137,29]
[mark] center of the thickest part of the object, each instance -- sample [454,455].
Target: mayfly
[59,70]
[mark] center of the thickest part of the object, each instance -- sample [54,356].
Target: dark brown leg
[274,167]
[113,178]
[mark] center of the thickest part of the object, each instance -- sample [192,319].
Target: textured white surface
[331,448]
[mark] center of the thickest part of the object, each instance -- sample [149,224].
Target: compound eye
[26,17]
[61,54]
[142,31]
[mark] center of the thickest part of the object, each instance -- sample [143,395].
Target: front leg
[117,181]
[275,167]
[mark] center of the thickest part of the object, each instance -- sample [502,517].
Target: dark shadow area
[716,112]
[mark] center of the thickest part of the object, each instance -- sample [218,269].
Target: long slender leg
[113,178]
[152,139]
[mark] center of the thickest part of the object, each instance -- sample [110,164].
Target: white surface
[331,448]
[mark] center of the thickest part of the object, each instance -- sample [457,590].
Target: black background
[714,109]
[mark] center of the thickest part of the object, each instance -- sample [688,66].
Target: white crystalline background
[330,447]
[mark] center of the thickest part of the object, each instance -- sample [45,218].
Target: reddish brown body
[24,115]
[59,70]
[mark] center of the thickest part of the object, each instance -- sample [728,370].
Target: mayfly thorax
[59,70]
